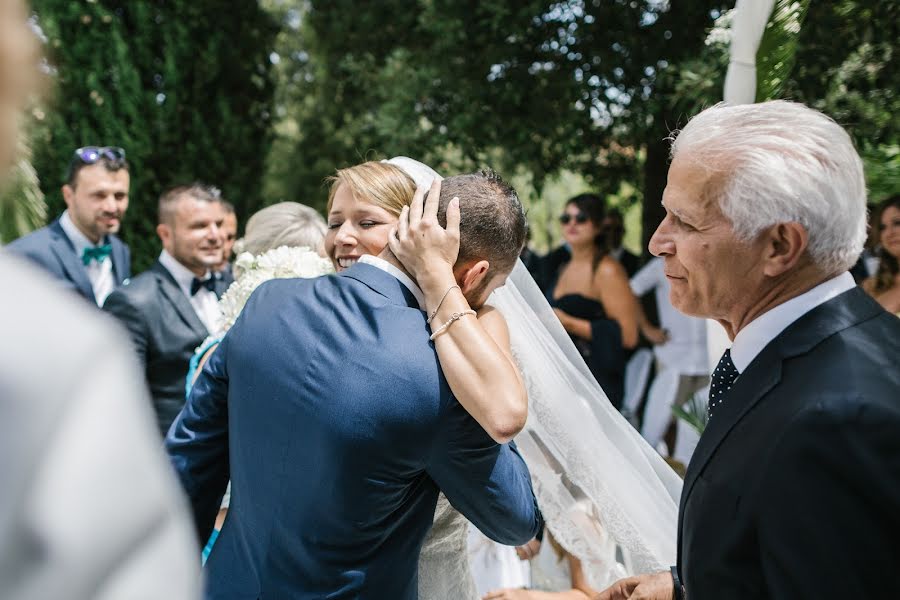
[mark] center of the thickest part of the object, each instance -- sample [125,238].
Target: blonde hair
[19,73]
[283,224]
[378,183]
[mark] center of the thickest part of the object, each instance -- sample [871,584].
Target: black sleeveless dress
[604,353]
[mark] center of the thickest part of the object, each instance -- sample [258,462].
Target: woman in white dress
[575,450]
[604,492]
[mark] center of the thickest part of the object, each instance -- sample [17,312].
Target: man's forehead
[98,174]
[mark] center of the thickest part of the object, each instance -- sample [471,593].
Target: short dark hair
[493,222]
[76,165]
[197,191]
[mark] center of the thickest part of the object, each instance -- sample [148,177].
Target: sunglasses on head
[91,154]
[580,218]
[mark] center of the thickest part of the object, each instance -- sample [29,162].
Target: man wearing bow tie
[172,307]
[80,248]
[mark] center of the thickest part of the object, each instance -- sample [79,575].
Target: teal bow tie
[98,253]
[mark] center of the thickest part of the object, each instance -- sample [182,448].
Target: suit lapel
[383,283]
[756,381]
[173,294]
[71,263]
[846,310]
[121,268]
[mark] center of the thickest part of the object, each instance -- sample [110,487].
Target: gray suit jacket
[51,249]
[165,330]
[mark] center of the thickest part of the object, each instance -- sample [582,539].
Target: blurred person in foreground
[884,285]
[80,248]
[793,489]
[88,508]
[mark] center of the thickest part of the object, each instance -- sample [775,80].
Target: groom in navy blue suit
[327,407]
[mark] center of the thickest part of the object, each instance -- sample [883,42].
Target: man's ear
[785,247]
[68,193]
[470,275]
[164,232]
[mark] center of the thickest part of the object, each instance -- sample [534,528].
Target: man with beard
[80,248]
[172,307]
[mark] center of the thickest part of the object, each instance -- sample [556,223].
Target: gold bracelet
[444,297]
[453,319]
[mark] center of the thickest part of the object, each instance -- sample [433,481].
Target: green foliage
[185,87]
[694,412]
[531,87]
[778,48]
[22,206]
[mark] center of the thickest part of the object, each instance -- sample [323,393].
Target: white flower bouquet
[284,262]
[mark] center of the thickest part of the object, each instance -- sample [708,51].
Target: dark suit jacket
[326,404]
[794,488]
[165,331]
[51,249]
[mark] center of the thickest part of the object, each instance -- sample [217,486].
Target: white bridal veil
[600,486]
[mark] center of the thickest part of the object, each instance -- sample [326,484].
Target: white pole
[747,26]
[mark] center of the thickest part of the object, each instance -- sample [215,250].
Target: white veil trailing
[598,483]
[596,480]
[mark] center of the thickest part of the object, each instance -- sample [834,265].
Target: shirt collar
[183,276]
[78,239]
[405,279]
[751,340]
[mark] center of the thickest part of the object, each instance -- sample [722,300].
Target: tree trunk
[656,167]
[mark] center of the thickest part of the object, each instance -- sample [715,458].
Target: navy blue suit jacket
[326,404]
[794,488]
[51,249]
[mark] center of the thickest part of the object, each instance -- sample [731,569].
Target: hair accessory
[453,319]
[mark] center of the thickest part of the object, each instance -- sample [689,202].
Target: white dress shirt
[205,302]
[405,279]
[686,349]
[751,340]
[100,274]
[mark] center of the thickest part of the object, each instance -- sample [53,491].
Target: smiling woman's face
[355,228]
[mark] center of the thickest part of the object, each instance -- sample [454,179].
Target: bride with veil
[605,494]
[607,498]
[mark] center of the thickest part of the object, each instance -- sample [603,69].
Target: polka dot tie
[721,381]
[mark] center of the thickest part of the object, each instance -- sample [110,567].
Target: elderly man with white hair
[794,488]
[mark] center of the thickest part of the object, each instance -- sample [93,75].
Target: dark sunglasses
[580,218]
[91,154]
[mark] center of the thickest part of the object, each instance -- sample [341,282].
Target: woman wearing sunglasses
[589,292]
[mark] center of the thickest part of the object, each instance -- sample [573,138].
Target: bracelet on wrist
[438,307]
[453,319]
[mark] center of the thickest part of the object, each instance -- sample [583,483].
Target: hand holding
[419,242]
[529,550]
[656,586]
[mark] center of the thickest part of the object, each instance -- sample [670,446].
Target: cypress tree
[186,87]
